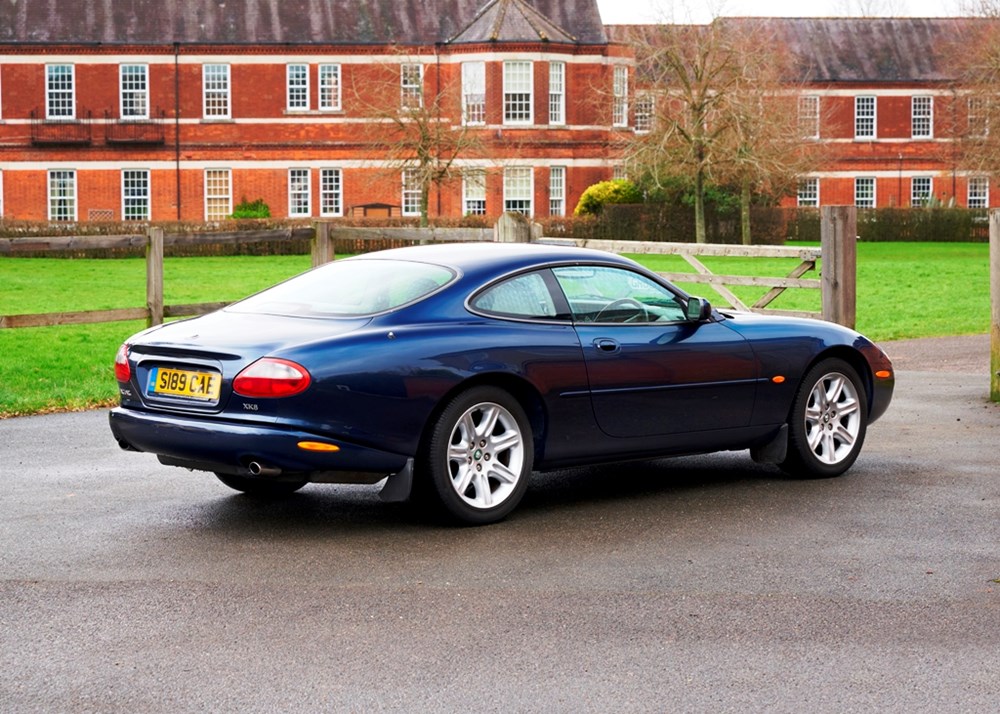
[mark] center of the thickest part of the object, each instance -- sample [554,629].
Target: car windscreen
[349,288]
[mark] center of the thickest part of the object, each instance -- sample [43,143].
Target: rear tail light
[271,377]
[122,370]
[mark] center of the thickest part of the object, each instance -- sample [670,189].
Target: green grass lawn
[46,368]
[904,290]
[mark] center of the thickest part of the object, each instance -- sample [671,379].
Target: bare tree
[765,150]
[974,58]
[724,111]
[690,70]
[415,126]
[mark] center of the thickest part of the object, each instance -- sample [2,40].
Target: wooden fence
[838,251]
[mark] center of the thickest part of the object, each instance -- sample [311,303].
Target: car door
[651,371]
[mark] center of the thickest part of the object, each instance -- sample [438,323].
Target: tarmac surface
[696,584]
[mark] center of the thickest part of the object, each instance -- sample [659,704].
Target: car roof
[496,257]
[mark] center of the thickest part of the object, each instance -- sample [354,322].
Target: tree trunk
[425,192]
[745,212]
[699,206]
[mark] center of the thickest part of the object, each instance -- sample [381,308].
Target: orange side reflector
[317,446]
[778,379]
[883,374]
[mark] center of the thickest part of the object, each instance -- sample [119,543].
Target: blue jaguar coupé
[454,371]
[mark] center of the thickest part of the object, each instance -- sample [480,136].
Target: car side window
[524,296]
[605,294]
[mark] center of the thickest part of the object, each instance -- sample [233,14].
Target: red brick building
[153,110]
[880,95]
[880,98]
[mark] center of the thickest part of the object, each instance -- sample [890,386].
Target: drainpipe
[437,102]
[177,127]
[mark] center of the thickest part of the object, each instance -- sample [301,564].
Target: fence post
[839,272]
[512,228]
[322,246]
[995,305]
[154,276]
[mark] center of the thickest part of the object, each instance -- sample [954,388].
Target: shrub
[595,198]
[252,209]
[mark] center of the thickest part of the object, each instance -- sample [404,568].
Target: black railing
[128,130]
[76,130]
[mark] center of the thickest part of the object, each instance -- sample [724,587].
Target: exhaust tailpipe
[258,469]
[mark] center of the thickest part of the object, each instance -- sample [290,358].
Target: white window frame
[922,117]
[330,88]
[865,117]
[518,92]
[809,116]
[70,197]
[473,93]
[519,190]
[978,118]
[978,192]
[299,193]
[137,190]
[130,95]
[557,191]
[808,193]
[645,112]
[1,193]
[216,92]
[297,87]
[922,196]
[60,102]
[331,192]
[411,86]
[212,197]
[860,200]
[557,93]
[474,192]
[410,192]
[619,108]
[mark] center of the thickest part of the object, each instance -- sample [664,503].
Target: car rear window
[349,288]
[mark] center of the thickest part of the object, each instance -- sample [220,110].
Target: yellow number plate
[185,383]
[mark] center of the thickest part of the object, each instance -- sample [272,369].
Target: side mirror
[698,309]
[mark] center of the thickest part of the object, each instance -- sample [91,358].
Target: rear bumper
[232,446]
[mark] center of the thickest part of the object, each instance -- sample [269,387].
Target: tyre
[478,456]
[260,487]
[828,421]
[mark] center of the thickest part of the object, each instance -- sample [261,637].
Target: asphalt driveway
[695,584]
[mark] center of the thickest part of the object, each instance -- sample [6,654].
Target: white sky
[641,11]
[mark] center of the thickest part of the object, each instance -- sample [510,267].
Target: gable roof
[852,49]
[294,22]
[866,49]
[511,21]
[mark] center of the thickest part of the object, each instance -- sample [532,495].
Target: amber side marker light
[778,379]
[883,374]
[317,446]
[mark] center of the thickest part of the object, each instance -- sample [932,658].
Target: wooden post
[154,276]
[839,272]
[995,305]
[322,245]
[512,228]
